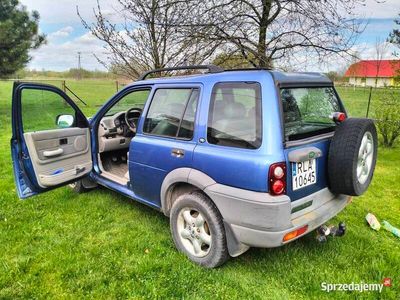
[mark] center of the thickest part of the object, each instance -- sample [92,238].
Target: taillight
[338,117]
[277,179]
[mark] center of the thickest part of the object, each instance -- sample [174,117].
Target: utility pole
[79,65]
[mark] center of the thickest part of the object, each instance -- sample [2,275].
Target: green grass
[103,245]
[356,99]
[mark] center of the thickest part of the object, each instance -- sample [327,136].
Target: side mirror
[65,121]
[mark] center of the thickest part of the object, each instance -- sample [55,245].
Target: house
[377,73]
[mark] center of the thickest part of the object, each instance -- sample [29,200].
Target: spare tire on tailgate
[352,156]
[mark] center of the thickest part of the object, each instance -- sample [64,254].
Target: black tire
[218,250]
[343,157]
[78,187]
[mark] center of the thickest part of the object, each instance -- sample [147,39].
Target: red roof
[374,68]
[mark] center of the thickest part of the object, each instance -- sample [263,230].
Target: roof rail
[210,68]
[248,69]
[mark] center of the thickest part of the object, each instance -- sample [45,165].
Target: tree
[18,35]
[145,40]
[266,31]
[229,60]
[352,69]
[381,48]
[387,115]
[394,36]
[334,76]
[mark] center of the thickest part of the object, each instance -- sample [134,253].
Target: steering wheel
[129,121]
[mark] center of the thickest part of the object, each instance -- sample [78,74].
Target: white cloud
[369,50]
[365,51]
[64,11]
[64,56]
[63,32]
[61,50]
[384,9]
[306,62]
[61,56]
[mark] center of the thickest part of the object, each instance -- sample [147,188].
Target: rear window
[308,111]
[234,118]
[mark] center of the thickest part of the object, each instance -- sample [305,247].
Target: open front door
[50,142]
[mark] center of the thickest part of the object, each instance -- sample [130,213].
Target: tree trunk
[393,139]
[263,60]
[155,49]
[385,140]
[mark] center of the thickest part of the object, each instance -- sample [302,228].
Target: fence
[89,94]
[363,101]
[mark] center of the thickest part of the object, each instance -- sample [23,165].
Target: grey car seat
[169,124]
[234,122]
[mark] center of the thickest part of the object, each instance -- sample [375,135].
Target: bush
[387,114]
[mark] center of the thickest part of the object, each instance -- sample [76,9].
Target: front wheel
[78,187]
[198,231]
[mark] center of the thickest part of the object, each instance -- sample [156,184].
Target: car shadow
[304,249]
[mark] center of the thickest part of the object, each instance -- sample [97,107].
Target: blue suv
[235,158]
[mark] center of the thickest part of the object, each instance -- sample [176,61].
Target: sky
[66,35]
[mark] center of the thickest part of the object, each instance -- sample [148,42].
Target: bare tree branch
[265,31]
[145,39]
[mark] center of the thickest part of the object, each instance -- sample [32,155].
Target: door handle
[79,169]
[177,152]
[51,153]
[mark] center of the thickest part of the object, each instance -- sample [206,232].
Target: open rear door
[50,142]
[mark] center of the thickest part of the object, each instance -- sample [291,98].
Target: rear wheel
[352,157]
[198,231]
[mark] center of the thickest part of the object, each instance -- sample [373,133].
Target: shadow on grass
[129,201]
[306,244]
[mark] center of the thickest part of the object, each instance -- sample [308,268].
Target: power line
[79,65]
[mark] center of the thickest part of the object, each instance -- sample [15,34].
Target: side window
[235,115]
[172,113]
[44,110]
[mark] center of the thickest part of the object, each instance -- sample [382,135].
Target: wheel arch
[183,180]
[180,181]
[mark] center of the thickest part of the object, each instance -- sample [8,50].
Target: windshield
[135,99]
[308,111]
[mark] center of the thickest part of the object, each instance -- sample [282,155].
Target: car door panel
[59,155]
[151,159]
[158,149]
[51,143]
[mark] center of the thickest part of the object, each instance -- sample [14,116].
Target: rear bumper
[260,220]
[268,239]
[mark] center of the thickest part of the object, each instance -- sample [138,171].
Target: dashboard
[114,133]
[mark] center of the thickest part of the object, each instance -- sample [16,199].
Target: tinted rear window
[308,111]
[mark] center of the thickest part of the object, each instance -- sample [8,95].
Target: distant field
[95,92]
[102,245]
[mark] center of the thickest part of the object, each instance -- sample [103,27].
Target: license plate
[304,174]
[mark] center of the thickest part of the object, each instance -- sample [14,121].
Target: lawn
[356,99]
[103,245]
